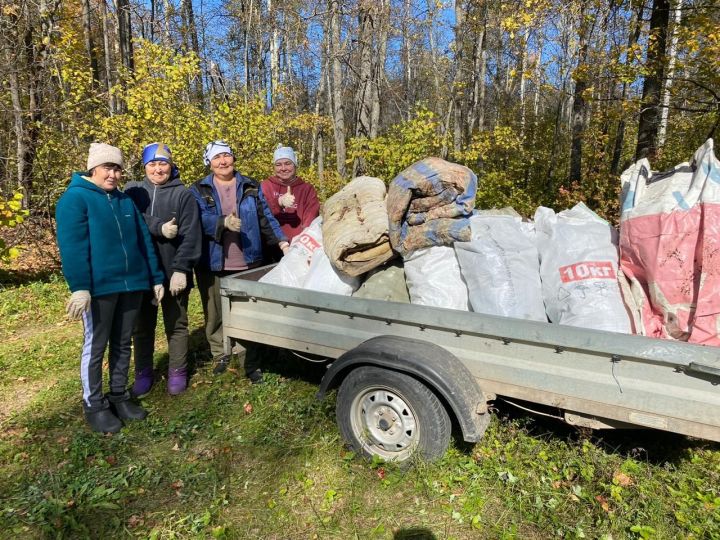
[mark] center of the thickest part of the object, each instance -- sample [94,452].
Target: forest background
[546,101]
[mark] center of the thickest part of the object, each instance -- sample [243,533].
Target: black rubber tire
[391,415]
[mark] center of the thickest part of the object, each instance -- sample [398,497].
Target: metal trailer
[405,372]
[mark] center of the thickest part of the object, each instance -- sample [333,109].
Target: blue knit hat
[156,152]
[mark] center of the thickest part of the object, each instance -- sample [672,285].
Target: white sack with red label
[579,269]
[293,268]
[324,277]
[433,278]
[670,247]
[501,267]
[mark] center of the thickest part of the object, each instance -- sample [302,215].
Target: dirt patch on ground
[17,395]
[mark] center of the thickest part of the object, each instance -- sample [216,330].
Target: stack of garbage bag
[659,278]
[670,247]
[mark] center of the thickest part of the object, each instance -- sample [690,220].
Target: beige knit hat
[103,153]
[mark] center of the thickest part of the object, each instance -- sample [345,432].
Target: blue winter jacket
[105,246]
[258,224]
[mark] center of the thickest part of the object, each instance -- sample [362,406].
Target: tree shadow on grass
[652,446]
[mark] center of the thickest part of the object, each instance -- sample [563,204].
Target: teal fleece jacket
[105,246]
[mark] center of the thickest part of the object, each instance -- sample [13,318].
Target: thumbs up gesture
[170,229]
[233,222]
[287,200]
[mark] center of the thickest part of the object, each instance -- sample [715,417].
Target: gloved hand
[78,304]
[285,247]
[287,200]
[178,282]
[169,229]
[159,292]
[233,222]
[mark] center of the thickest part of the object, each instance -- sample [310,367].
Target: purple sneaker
[144,380]
[177,381]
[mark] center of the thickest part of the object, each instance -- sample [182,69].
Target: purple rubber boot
[144,380]
[177,381]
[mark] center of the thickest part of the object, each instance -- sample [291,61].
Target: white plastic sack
[579,269]
[433,278]
[293,268]
[324,277]
[501,267]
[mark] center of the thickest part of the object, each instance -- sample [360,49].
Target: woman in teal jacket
[108,261]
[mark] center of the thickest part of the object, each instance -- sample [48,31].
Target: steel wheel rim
[384,423]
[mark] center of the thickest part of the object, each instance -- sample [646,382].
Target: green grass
[231,460]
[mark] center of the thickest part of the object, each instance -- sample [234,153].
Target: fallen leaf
[248,408]
[111,460]
[603,502]
[381,473]
[176,447]
[177,484]
[622,479]
[134,521]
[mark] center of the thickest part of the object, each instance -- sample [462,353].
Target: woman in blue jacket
[108,261]
[236,221]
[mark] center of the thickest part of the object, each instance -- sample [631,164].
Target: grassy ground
[231,460]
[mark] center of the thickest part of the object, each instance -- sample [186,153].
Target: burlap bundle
[355,226]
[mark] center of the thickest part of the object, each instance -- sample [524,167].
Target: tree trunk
[650,115]
[89,46]
[476,111]
[125,33]
[337,86]
[274,54]
[408,83]
[672,57]
[379,67]
[579,108]
[109,80]
[633,36]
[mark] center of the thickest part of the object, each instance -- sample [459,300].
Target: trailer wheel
[389,414]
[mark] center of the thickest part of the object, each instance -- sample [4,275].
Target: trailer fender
[437,368]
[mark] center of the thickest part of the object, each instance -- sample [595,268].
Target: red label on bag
[308,242]
[587,270]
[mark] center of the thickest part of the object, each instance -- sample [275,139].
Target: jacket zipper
[152,206]
[122,240]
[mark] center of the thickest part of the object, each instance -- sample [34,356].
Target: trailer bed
[597,378]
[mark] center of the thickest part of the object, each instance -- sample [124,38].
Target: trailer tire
[391,415]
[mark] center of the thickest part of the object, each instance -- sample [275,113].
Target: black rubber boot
[101,419]
[221,365]
[125,408]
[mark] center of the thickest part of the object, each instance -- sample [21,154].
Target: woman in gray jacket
[172,216]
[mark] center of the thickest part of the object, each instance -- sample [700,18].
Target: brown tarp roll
[355,226]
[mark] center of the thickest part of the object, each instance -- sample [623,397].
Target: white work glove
[232,222]
[287,200]
[159,292]
[169,229]
[78,304]
[178,282]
